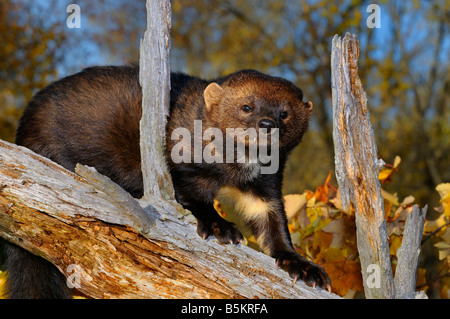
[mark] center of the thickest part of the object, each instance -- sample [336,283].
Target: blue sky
[86,53]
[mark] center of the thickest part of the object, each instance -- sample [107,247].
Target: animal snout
[267,124]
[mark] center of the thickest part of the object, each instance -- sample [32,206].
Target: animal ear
[309,106]
[213,95]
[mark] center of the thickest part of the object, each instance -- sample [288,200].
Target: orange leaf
[321,192]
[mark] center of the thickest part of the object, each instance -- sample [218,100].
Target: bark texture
[357,170]
[154,77]
[118,247]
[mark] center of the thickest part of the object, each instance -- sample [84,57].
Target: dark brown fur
[93,118]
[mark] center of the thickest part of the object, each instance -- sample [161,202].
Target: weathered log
[86,221]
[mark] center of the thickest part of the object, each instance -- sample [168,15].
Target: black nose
[267,123]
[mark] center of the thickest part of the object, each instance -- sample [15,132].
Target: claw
[295,280]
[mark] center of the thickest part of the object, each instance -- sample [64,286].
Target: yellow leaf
[321,193]
[394,245]
[292,228]
[344,274]
[444,192]
[333,254]
[442,245]
[293,203]
[393,198]
[385,173]
[446,236]
[311,201]
[3,285]
[314,214]
[432,225]
[397,161]
[443,253]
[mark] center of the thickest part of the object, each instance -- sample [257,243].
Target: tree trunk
[357,169]
[154,76]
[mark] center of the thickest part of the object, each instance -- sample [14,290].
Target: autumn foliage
[324,232]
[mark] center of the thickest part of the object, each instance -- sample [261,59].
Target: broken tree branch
[409,254]
[357,169]
[357,166]
[154,76]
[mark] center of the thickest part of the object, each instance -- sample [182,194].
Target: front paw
[300,268]
[223,230]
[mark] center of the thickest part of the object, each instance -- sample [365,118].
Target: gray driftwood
[409,255]
[357,169]
[154,77]
[122,250]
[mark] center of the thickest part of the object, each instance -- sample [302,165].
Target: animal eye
[246,108]
[283,115]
